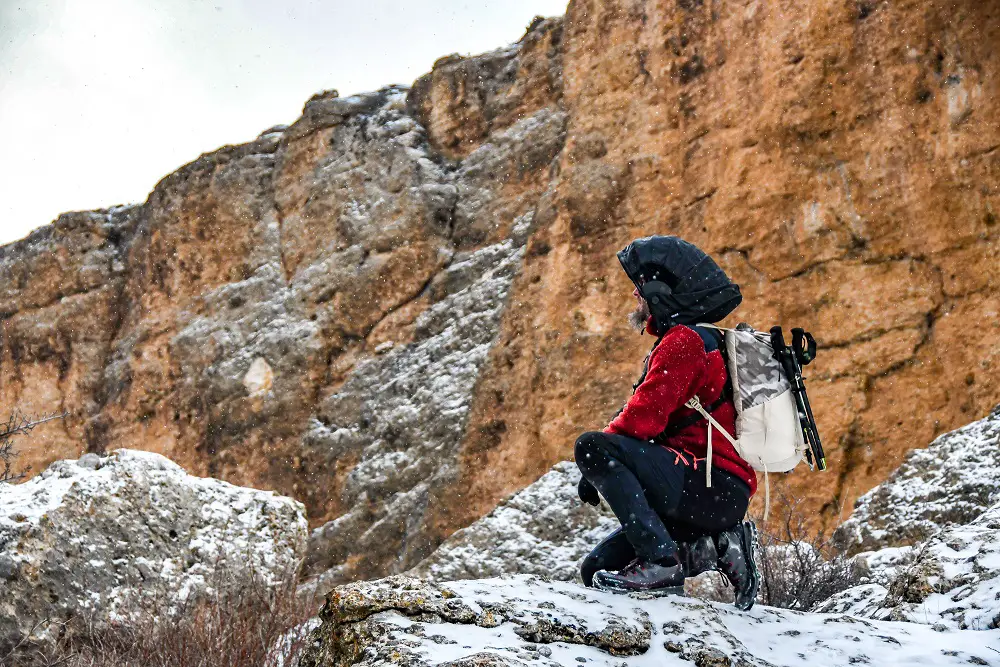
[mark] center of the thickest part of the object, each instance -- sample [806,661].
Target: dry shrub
[252,624]
[800,567]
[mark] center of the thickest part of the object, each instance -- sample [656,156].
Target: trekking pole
[789,359]
[804,348]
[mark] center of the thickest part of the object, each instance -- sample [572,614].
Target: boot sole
[653,592]
[748,541]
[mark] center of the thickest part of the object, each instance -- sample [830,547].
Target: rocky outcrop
[87,539]
[953,481]
[838,159]
[951,580]
[526,620]
[309,312]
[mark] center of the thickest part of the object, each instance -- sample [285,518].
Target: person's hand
[588,493]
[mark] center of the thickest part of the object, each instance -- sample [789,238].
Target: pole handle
[804,345]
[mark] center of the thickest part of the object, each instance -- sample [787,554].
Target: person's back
[650,463]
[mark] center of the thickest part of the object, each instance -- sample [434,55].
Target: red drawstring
[681,457]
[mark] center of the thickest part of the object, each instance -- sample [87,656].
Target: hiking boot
[643,577]
[697,557]
[737,549]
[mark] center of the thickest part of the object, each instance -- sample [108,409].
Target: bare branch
[17,424]
[800,568]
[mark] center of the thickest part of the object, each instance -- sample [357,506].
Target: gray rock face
[954,480]
[86,536]
[543,530]
[527,620]
[405,410]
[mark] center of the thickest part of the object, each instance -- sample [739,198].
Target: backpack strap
[695,404]
[645,366]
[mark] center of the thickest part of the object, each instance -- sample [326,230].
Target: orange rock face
[406,305]
[840,159]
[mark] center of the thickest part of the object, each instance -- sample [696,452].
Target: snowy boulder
[954,480]
[526,620]
[543,529]
[952,580]
[84,537]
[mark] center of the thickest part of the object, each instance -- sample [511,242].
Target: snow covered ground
[526,620]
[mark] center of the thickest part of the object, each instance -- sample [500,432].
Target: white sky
[99,99]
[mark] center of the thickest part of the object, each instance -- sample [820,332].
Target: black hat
[681,284]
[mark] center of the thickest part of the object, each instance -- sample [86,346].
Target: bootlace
[631,568]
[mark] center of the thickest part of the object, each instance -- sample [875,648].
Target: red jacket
[679,368]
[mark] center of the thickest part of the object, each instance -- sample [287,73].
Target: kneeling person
[650,462]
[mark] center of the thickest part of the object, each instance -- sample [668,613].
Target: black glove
[588,493]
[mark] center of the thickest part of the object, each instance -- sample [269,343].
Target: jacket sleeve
[675,367]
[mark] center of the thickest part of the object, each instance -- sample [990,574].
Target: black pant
[656,497]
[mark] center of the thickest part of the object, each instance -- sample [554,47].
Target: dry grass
[250,625]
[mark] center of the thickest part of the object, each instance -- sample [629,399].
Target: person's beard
[637,318]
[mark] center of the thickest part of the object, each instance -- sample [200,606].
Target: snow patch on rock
[526,620]
[954,480]
[952,580]
[543,529]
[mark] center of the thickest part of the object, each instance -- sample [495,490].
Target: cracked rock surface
[525,620]
[86,537]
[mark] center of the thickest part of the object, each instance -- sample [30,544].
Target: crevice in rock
[701,198]
[279,215]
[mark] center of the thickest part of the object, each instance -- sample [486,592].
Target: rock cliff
[404,306]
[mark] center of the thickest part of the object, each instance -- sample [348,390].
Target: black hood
[681,284]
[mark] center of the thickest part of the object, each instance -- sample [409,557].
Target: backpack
[775,429]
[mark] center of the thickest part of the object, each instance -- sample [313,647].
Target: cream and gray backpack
[769,431]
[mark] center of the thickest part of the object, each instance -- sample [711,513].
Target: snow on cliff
[543,529]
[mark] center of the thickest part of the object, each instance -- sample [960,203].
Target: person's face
[637,318]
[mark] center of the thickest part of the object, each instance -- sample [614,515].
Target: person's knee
[589,447]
